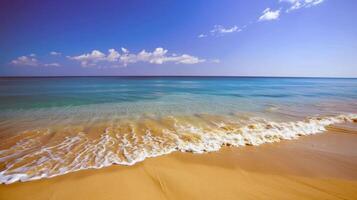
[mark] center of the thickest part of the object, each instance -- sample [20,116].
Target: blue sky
[201,37]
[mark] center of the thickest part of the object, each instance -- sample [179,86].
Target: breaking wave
[46,153]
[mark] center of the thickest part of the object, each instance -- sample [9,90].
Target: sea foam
[40,154]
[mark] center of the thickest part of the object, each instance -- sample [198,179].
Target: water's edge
[28,159]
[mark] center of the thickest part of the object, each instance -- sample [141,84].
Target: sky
[182,37]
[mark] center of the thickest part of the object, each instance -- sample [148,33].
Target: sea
[50,126]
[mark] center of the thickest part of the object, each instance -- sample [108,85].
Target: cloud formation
[32,61]
[297,4]
[269,15]
[219,30]
[114,59]
[202,35]
[89,59]
[26,61]
[55,53]
[51,64]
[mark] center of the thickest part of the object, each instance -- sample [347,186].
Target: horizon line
[198,76]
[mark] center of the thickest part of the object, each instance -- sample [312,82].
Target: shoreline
[36,155]
[321,166]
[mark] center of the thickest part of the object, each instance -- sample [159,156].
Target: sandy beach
[322,166]
[178,100]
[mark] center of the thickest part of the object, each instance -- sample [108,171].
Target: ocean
[56,125]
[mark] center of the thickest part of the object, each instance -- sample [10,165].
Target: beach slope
[322,166]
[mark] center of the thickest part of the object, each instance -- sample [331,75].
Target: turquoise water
[54,126]
[39,93]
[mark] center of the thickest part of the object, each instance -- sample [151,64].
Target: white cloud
[114,58]
[32,61]
[220,30]
[297,4]
[25,61]
[202,35]
[158,56]
[55,53]
[269,14]
[90,59]
[113,55]
[124,50]
[51,65]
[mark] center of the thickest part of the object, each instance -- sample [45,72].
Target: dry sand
[322,166]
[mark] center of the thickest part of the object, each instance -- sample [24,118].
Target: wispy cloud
[31,60]
[114,59]
[202,35]
[25,61]
[55,53]
[219,30]
[269,15]
[51,64]
[215,61]
[297,4]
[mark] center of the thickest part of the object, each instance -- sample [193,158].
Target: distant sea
[52,126]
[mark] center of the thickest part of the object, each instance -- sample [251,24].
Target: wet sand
[322,166]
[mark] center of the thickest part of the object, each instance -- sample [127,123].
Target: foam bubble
[43,155]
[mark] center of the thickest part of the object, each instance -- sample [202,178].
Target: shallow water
[52,126]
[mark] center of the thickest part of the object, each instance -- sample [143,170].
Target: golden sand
[322,166]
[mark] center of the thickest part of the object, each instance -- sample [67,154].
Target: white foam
[128,149]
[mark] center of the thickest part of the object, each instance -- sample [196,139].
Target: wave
[45,153]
